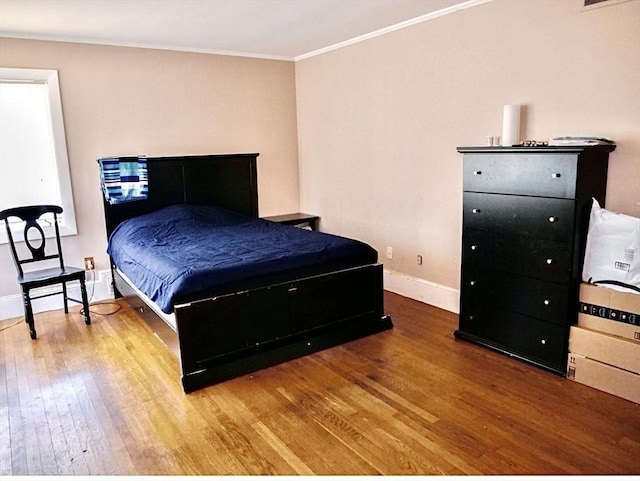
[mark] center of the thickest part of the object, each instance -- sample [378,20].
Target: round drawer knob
[547,302]
[553,219]
[556,175]
[475,211]
[477,172]
[549,261]
[543,342]
[472,283]
[474,247]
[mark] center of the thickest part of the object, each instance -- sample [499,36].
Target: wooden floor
[106,399]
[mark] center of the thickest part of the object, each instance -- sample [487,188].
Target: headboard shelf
[225,180]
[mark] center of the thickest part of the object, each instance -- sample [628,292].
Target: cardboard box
[606,378]
[620,329]
[611,311]
[605,348]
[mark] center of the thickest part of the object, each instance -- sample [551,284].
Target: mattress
[184,252]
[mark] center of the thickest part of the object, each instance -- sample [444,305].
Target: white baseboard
[98,289]
[423,291]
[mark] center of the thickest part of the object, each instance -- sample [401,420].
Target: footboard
[226,336]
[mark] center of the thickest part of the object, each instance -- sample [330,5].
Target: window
[34,167]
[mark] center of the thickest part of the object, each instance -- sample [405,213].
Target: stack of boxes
[604,347]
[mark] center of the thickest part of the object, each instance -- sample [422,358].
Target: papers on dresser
[558,141]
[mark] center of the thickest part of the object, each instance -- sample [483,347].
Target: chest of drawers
[525,220]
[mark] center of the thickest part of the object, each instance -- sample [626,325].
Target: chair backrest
[34,236]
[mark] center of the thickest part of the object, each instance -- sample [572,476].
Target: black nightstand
[297,219]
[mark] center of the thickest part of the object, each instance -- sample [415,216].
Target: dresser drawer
[547,175]
[530,338]
[542,259]
[488,289]
[537,217]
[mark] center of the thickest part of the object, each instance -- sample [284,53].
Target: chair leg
[28,313]
[64,296]
[85,302]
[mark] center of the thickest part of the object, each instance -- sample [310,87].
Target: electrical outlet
[419,260]
[389,252]
[89,264]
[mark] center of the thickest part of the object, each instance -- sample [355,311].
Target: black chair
[35,240]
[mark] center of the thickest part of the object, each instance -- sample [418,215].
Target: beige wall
[119,101]
[379,121]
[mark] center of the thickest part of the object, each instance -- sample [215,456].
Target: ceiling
[280,29]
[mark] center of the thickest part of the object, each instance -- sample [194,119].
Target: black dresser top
[547,149]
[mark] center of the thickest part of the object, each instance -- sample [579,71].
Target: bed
[228,292]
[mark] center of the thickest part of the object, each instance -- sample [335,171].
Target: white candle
[511,125]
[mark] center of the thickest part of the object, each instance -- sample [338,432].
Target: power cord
[11,325]
[81,312]
[93,288]
[93,284]
[107,303]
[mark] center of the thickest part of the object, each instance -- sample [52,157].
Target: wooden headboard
[225,180]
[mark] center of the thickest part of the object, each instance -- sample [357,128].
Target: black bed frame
[226,335]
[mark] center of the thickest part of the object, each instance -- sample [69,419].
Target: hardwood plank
[5,445]
[298,466]
[106,399]
[287,420]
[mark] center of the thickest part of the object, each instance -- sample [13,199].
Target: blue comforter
[176,253]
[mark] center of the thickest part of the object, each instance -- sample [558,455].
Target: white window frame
[66,221]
